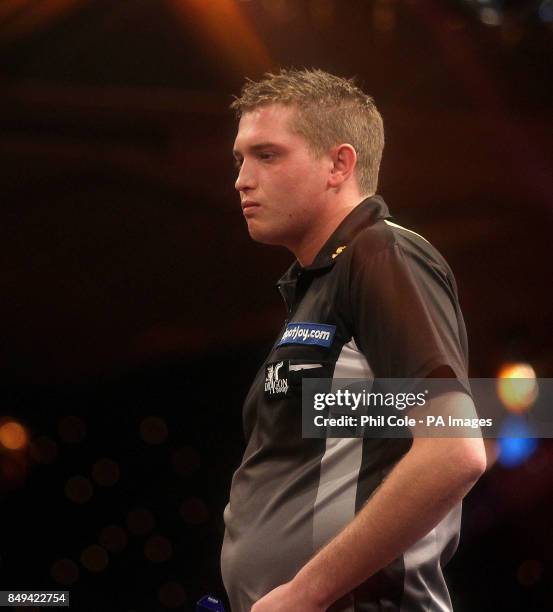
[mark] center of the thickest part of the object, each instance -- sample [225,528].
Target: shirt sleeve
[406,316]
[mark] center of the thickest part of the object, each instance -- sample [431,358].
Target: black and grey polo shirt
[379,301]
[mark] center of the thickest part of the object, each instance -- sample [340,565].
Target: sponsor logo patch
[308,333]
[276,379]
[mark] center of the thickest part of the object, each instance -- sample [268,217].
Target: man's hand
[287,597]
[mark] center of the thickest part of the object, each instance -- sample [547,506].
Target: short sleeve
[406,316]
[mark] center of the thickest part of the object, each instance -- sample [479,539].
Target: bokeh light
[13,435]
[140,521]
[113,538]
[172,595]
[515,443]
[517,386]
[491,16]
[153,430]
[158,549]
[105,472]
[65,571]
[545,11]
[78,489]
[94,558]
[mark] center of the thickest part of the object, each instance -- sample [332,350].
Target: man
[341,524]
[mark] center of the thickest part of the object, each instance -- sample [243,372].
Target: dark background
[135,309]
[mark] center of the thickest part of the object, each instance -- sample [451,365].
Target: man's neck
[310,246]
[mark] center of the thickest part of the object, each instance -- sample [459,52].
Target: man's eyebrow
[257,147]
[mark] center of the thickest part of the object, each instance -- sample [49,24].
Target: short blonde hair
[330,111]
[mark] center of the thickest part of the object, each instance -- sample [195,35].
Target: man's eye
[238,164]
[266,156]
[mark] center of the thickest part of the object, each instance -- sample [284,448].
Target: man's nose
[245,179]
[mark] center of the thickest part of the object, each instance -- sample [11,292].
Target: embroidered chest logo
[276,379]
[317,334]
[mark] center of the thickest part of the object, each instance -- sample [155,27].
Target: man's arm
[422,488]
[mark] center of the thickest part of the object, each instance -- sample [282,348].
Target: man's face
[282,186]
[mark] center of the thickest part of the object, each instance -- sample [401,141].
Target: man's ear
[344,160]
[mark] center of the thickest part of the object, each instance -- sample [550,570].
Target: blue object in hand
[208,602]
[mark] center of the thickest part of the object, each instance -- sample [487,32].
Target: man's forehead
[267,123]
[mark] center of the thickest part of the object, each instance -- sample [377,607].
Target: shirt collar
[366,213]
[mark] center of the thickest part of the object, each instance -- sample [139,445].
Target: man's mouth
[248,204]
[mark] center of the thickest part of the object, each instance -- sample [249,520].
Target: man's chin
[261,235]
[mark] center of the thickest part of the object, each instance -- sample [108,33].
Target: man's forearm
[422,488]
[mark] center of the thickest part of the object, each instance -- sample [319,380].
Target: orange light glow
[94,558]
[13,436]
[223,29]
[65,571]
[113,538]
[158,549]
[517,386]
[78,489]
[153,430]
